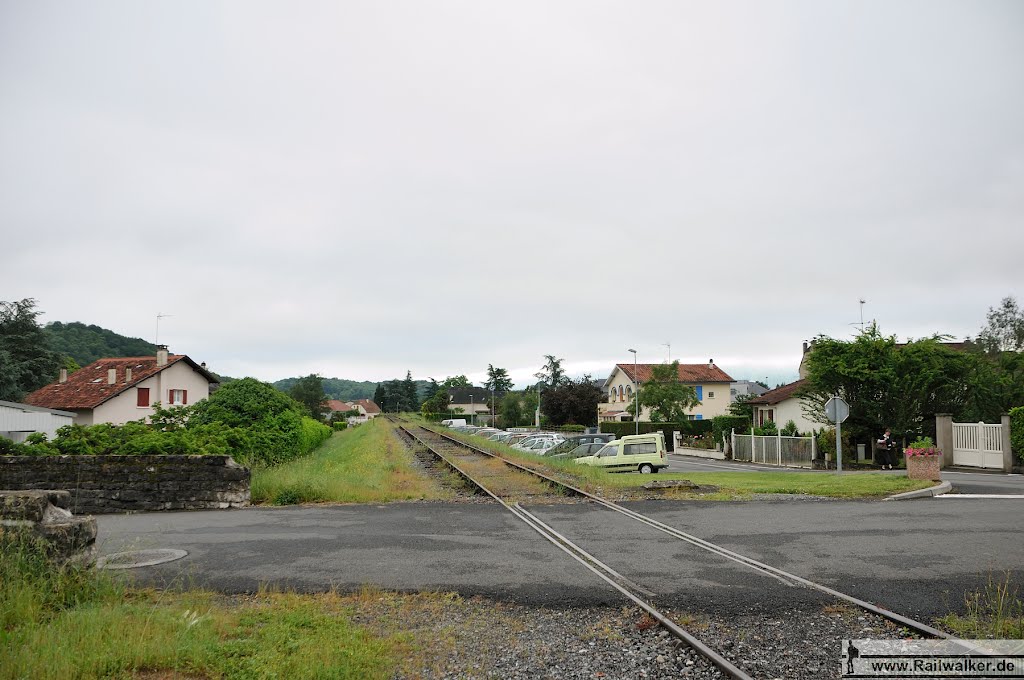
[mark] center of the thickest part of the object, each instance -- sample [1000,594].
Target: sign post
[837,410]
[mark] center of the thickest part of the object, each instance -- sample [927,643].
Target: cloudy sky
[361,188]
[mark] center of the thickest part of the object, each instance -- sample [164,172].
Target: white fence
[978,445]
[773,450]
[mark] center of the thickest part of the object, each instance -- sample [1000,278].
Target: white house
[709,381]
[124,389]
[18,421]
[782,405]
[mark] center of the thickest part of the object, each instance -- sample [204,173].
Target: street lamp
[636,393]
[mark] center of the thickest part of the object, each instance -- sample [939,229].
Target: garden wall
[105,484]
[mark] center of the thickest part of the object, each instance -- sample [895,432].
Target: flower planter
[924,467]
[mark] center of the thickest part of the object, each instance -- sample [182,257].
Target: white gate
[773,450]
[978,445]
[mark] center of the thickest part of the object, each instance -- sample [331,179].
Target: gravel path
[479,638]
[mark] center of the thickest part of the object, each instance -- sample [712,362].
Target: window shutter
[170,397]
[700,417]
[184,397]
[700,393]
[142,396]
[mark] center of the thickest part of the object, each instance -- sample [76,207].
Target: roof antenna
[158,317]
[669,345]
[861,322]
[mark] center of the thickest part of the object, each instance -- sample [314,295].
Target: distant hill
[347,390]
[336,388]
[86,344]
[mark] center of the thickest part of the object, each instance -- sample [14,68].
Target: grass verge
[995,613]
[365,464]
[74,622]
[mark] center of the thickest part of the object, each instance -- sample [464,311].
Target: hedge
[689,427]
[1017,432]
[722,426]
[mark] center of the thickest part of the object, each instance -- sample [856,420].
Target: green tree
[552,374]
[1004,331]
[309,392]
[572,402]
[886,384]
[85,344]
[741,407]
[27,361]
[410,396]
[497,380]
[518,407]
[666,396]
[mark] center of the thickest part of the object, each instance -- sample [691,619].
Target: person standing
[887,446]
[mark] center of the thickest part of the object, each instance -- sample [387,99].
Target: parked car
[571,454]
[529,441]
[502,437]
[574,440]
[486,432]
[539,446]
[640,452]
[453,422]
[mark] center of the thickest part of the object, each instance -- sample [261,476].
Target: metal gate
[978,445]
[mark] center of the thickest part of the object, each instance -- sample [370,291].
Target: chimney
[161,355]
[711,362]
[127,375]
[805,347]
[111,376]
[63,376]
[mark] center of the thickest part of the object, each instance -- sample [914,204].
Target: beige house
[782,405]
[124,389]
[709,381]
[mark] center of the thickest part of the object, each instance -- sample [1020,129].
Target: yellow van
[640,452]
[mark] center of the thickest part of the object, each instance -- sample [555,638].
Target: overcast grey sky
[358,188]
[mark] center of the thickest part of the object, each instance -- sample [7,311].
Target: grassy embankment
[74,622]
[365,464]
[731,485]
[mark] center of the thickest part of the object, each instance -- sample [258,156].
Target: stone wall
[104,484]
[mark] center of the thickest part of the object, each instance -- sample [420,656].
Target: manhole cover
[139,558]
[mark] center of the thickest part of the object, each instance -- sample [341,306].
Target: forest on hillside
[85,344]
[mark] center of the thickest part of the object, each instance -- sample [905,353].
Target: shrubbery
[1017,432]
[722,426]
[246,419]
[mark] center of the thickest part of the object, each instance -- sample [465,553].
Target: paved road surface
[963,482]
[917,557]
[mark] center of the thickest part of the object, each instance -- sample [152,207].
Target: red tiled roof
[368,405]
[779,394]
[88,387]
[338,405]
[688,373]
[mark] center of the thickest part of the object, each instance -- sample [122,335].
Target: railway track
[482,469]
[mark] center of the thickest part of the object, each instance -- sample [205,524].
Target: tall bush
[1017,432]
[722,426]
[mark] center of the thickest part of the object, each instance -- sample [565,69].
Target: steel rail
[780,574]
[603,571]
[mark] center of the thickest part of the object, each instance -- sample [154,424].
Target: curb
[944,487]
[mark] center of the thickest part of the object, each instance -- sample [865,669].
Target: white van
[640,452]
[454,422]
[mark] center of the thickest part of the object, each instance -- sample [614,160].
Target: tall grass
[73,622]
[993,613]
[366,464]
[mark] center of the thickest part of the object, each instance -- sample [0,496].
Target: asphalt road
[963,482]
[916,557]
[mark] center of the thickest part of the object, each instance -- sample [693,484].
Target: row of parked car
[643,453]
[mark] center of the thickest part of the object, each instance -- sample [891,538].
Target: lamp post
[636,393]
[472,411]
[537,417]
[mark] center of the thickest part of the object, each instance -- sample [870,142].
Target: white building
[18,421]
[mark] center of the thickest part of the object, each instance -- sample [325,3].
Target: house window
[142,397]
[611,394]
[177,397]
[711,395]
[629,392]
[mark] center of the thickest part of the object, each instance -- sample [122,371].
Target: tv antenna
[669,345]
[861,322]
[159,315]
